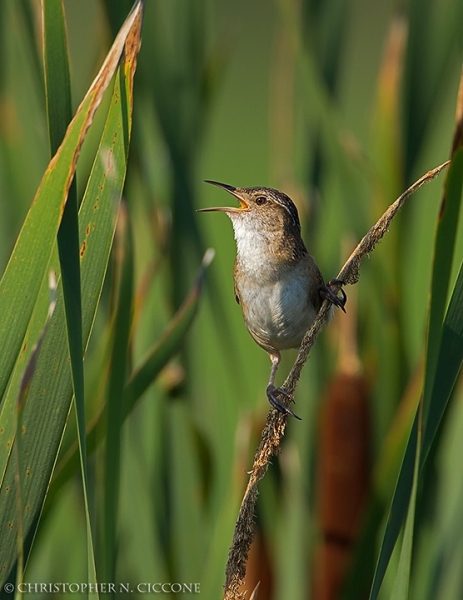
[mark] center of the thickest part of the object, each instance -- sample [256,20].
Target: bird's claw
[328,294]
[272,392]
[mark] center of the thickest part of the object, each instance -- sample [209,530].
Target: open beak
[234,192]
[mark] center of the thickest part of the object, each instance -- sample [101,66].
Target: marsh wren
[277,282]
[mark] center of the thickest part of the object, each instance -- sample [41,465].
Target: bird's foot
[327,293]
[272,393]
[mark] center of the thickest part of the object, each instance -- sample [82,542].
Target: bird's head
[260,208]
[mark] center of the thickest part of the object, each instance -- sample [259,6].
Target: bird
[277,283]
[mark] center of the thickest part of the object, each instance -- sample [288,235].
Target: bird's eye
[261,200]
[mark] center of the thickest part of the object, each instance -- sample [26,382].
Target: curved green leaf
[156,359]
[49,398]
[23,275]
[443,362]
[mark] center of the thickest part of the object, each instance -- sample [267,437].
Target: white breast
[278,313]
[276,302]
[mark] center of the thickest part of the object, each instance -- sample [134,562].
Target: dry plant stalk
[275,425]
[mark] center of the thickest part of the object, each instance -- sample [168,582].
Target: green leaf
[444,351]
[48,403]
[142,377]
[118,369]
[449,361]
[443,360]
[399,506]
[59,111]
[402,580]
[23,392]
[56,68]
[23,275]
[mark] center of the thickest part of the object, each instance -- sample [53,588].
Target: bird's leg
[328,294]
[273,391]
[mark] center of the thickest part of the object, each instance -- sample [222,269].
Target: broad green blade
[28,262]
[36,241]
[19,455]
[59,112]
[47,407]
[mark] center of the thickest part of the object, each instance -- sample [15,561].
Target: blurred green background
[342,105]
